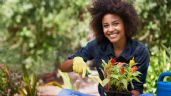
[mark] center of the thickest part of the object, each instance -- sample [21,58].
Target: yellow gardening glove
[79,66]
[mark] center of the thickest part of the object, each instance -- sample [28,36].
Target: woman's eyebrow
[115,20]
[104,23]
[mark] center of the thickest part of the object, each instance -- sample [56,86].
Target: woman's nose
[111,28]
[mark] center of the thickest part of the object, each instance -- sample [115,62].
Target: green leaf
[23,92]
[132,85]
[137,73]
[136,79]
[66,80]
[104,62]
[115,77]
[34,81]
[105,81]
[125,83]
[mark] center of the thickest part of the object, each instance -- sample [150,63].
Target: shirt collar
[125,54]
[109,50]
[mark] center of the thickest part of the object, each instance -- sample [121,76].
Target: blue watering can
[163,88]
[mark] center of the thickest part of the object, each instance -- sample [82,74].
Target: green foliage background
[36,32]
[41,33]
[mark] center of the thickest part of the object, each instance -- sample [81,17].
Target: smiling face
[113,28]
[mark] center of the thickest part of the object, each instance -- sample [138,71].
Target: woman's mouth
[113,34]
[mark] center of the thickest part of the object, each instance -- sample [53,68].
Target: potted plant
[118,76]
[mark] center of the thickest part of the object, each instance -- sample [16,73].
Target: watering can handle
[162,75]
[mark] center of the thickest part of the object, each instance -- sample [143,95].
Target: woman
[114,23]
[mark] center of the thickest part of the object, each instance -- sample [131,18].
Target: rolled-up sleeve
[86,52]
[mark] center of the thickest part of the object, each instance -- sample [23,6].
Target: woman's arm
[66,66]
[86,53]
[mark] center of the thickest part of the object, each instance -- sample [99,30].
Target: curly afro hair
[123,9]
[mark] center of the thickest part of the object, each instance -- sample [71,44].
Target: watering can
[163,88]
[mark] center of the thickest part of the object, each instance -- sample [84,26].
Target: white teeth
[113,35]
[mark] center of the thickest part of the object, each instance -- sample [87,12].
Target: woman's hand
[79,66]
[135,93]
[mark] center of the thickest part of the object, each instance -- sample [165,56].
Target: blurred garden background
[40,34]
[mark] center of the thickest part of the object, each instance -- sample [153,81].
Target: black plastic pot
[113,93]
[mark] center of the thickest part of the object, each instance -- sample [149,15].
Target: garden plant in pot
[119,76]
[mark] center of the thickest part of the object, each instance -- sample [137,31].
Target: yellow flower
[131,62]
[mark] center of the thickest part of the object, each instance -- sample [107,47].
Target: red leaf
[113,61]
[134,68]
[122,70]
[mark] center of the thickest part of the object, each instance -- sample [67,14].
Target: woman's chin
[113,40]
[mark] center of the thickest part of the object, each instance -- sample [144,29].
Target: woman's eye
[115,24]
[105,26]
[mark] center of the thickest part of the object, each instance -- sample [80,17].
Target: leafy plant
[3,81]
[10,82]
[160,61]
[30,84]
[119,75]
[66,81]
[37,31]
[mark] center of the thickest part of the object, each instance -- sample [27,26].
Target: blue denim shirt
[105,51]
